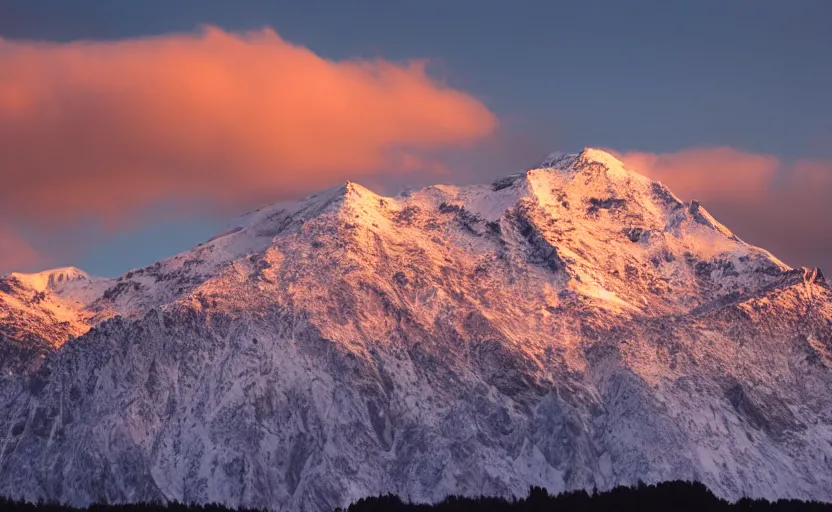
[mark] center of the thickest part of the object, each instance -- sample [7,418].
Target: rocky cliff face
[573,326]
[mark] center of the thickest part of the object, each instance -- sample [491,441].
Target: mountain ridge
[571,326]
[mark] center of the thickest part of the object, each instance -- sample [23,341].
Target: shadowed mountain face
[568,327]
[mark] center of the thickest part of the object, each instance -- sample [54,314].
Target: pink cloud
[718,173]
[813,174]
[104,129]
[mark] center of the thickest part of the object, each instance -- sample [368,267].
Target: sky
[130,131]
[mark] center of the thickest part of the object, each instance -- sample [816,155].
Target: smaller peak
[349,187]
[562,160]
[348,190]
[594,161]
[353,190]
[352,194]
[352,187]
[600,156]
[50,279]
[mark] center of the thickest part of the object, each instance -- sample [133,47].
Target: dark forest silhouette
[666,496]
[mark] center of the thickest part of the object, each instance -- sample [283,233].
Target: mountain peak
[51,279]
[353,189]
[562,160]
[600,156]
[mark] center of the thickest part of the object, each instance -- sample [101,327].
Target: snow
[51,279]
[571,326]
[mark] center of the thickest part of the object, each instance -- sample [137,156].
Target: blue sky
[652,76]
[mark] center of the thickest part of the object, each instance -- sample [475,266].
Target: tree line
[667,496]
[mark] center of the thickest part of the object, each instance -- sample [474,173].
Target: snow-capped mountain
[573,326]
[39,312]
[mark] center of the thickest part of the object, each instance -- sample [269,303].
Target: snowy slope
[39,312]
[572,326]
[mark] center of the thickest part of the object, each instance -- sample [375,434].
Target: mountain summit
[572,326]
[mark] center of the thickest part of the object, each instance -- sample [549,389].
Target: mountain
[39,312]
[573,326]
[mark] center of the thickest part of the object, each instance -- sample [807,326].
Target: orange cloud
[103,129]
[719,173]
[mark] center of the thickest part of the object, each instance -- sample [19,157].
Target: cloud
[104,129]
[785,207]
[719,173]
[815,175]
